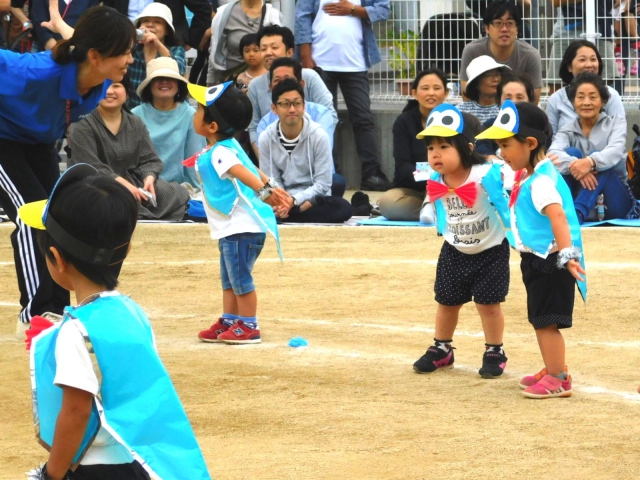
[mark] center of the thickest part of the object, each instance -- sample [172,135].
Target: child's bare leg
[229,302]
[551,345]
[446,321]
[492,322]
[247,304]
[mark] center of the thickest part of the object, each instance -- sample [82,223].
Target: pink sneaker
[549,387]
[530,380]
[239,333]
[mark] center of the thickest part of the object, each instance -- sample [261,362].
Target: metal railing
[421,33]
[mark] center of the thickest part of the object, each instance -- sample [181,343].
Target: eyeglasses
[492,73]
[287,105]
[510,24]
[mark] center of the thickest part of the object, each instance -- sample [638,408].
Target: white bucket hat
[480,65]
[165,67]
[156,9]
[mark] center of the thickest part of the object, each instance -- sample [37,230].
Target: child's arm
[562,234]
[70,427]
[278,196]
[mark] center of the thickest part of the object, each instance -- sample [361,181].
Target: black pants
[355,90]
[127,471]
[331,210]
[28,173]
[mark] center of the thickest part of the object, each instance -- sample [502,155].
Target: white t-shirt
[75,369]
[337,41]
[240,220]
[543,194]
[472,230]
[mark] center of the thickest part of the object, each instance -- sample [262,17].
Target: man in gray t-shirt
[502,20]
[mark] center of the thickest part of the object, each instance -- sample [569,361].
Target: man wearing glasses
[295,152]
[502,21]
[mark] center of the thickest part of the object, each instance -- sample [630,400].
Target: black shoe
[376,183]
[493,364]
[361,205]
[435,358]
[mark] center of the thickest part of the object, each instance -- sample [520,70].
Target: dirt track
[349,406]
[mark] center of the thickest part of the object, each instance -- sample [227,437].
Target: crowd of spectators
[76,84]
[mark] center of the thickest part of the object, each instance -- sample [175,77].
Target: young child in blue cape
[470,212]
[104,405]
[547,235]
[238,202]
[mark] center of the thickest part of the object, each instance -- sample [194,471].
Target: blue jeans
[616,195]
[238,254]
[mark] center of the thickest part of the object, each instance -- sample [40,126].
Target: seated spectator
[232,22]
[570,25]
[516,88]
[296,153]
[591,152]
[484,75]
[287,67]
[158,41]
[581,56]
[169,119]
[276,42]
[117,144]
[502,22]
[429,90]
[253,58]
[69,10]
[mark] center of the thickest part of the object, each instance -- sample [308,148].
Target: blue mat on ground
[618,222]
[383,222]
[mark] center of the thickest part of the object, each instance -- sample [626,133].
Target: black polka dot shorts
[550,291]
[483,277]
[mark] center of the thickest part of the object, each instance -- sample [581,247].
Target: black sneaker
[434,359]
[361,205]
[376,183]
[493,364]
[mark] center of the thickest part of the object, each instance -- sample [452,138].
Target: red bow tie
[515,191]
[191,161]
[467,192]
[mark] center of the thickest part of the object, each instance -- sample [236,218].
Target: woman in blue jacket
[40,95]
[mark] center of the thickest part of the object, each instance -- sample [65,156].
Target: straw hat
[480,65]
[156,9]
[165,67]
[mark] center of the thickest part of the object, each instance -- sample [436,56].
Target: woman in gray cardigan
[591,152]
[118,145]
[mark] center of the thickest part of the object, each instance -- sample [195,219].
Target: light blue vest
[137,403]
[535,228]
[493,186]
[222,195]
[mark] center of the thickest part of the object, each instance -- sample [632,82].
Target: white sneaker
[53,317]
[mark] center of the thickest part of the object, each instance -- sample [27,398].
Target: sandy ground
[349,406]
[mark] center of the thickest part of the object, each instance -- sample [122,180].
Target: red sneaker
[211,334]
[239,333]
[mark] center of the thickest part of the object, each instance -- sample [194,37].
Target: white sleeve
[73,362]
[223,159]
[544,193]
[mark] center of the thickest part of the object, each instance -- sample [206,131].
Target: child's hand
[278,198]
[575,269]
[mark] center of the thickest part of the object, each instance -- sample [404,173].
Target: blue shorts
[238,253]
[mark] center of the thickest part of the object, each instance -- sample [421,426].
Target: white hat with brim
[165,67]
[159,10]
[480,65]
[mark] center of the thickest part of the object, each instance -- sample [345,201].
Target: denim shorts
[238,253]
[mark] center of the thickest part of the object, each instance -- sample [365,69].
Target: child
[235,192]
[95,374]
[253,58]
[474,260]
[547,235]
